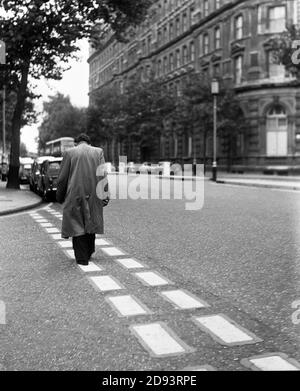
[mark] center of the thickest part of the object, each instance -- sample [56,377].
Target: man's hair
[83,137]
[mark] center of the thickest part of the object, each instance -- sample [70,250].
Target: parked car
[25,169]
[47,185]
[144,168]
[36,172]
[175,168]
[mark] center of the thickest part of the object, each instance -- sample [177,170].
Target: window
[217,4]
[171,30]
[275,69]
[277,19]
[217,38]
[205,43]
[205,8]
[177,58]
[216,70]
[185,55]
[165,65]
[238,27]
[238,62]
[165,36]
[177,26]
[277,132]
[159,68]
[184,21]
[192,51]
[254,59]
[171,58]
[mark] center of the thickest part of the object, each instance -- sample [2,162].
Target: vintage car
[36,172]
[47,183]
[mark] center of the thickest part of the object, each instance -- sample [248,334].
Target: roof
[60,139]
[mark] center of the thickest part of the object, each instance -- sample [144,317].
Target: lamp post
[215,89]
[2,64]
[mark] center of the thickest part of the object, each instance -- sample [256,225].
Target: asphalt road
[239,254]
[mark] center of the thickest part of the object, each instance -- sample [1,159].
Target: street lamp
[215,89]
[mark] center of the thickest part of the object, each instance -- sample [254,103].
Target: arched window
[277,131]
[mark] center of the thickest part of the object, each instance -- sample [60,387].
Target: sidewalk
[12,201]
[266,181]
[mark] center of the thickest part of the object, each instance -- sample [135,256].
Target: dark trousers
[84,247]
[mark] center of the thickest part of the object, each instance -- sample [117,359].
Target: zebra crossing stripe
[159,340]
[106,283]
[70,254]
[225,331]
[42,221]
[183,300]
[112,251]
[52,230]
[48,225]
[102,242]
[90,268]
[152,279]
[130,263]
[66,244]
[127,305]
[271,362]
[56,237]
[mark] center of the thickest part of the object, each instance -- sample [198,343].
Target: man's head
[83,138]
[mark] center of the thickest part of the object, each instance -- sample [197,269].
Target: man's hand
[105,202]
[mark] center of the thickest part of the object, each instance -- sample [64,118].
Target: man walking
[81,171]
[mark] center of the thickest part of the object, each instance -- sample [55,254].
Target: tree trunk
[14,165]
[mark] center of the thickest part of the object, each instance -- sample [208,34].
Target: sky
[74,83]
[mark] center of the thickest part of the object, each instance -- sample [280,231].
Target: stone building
[225,39]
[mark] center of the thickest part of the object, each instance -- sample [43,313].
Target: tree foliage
[41,37]
[286,49]
[61,119]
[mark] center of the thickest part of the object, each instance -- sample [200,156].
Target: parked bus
[58,147]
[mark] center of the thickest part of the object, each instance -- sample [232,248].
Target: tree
[139,114]
[286,49]
[195,113]
[61,119]
[40,38]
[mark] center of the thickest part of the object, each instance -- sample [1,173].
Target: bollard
[121,168]
[166,168]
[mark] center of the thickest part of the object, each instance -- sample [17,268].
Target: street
[234,262]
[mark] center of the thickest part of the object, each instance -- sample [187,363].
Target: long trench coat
[76,189]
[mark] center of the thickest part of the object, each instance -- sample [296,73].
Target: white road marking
[183,300]
[52,230]
[66,244]
[101,242]
[159,340]
[112,251]
[225,331]
[151,279]
[70,254]
[36,217]
[42,221]
[128,305]
[44,225]
[106,283]
[272,362]
[90,268]
[130,263]
[56,237]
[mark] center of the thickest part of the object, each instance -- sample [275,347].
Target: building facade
[225,39]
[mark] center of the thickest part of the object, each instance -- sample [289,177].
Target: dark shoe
[84,263]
